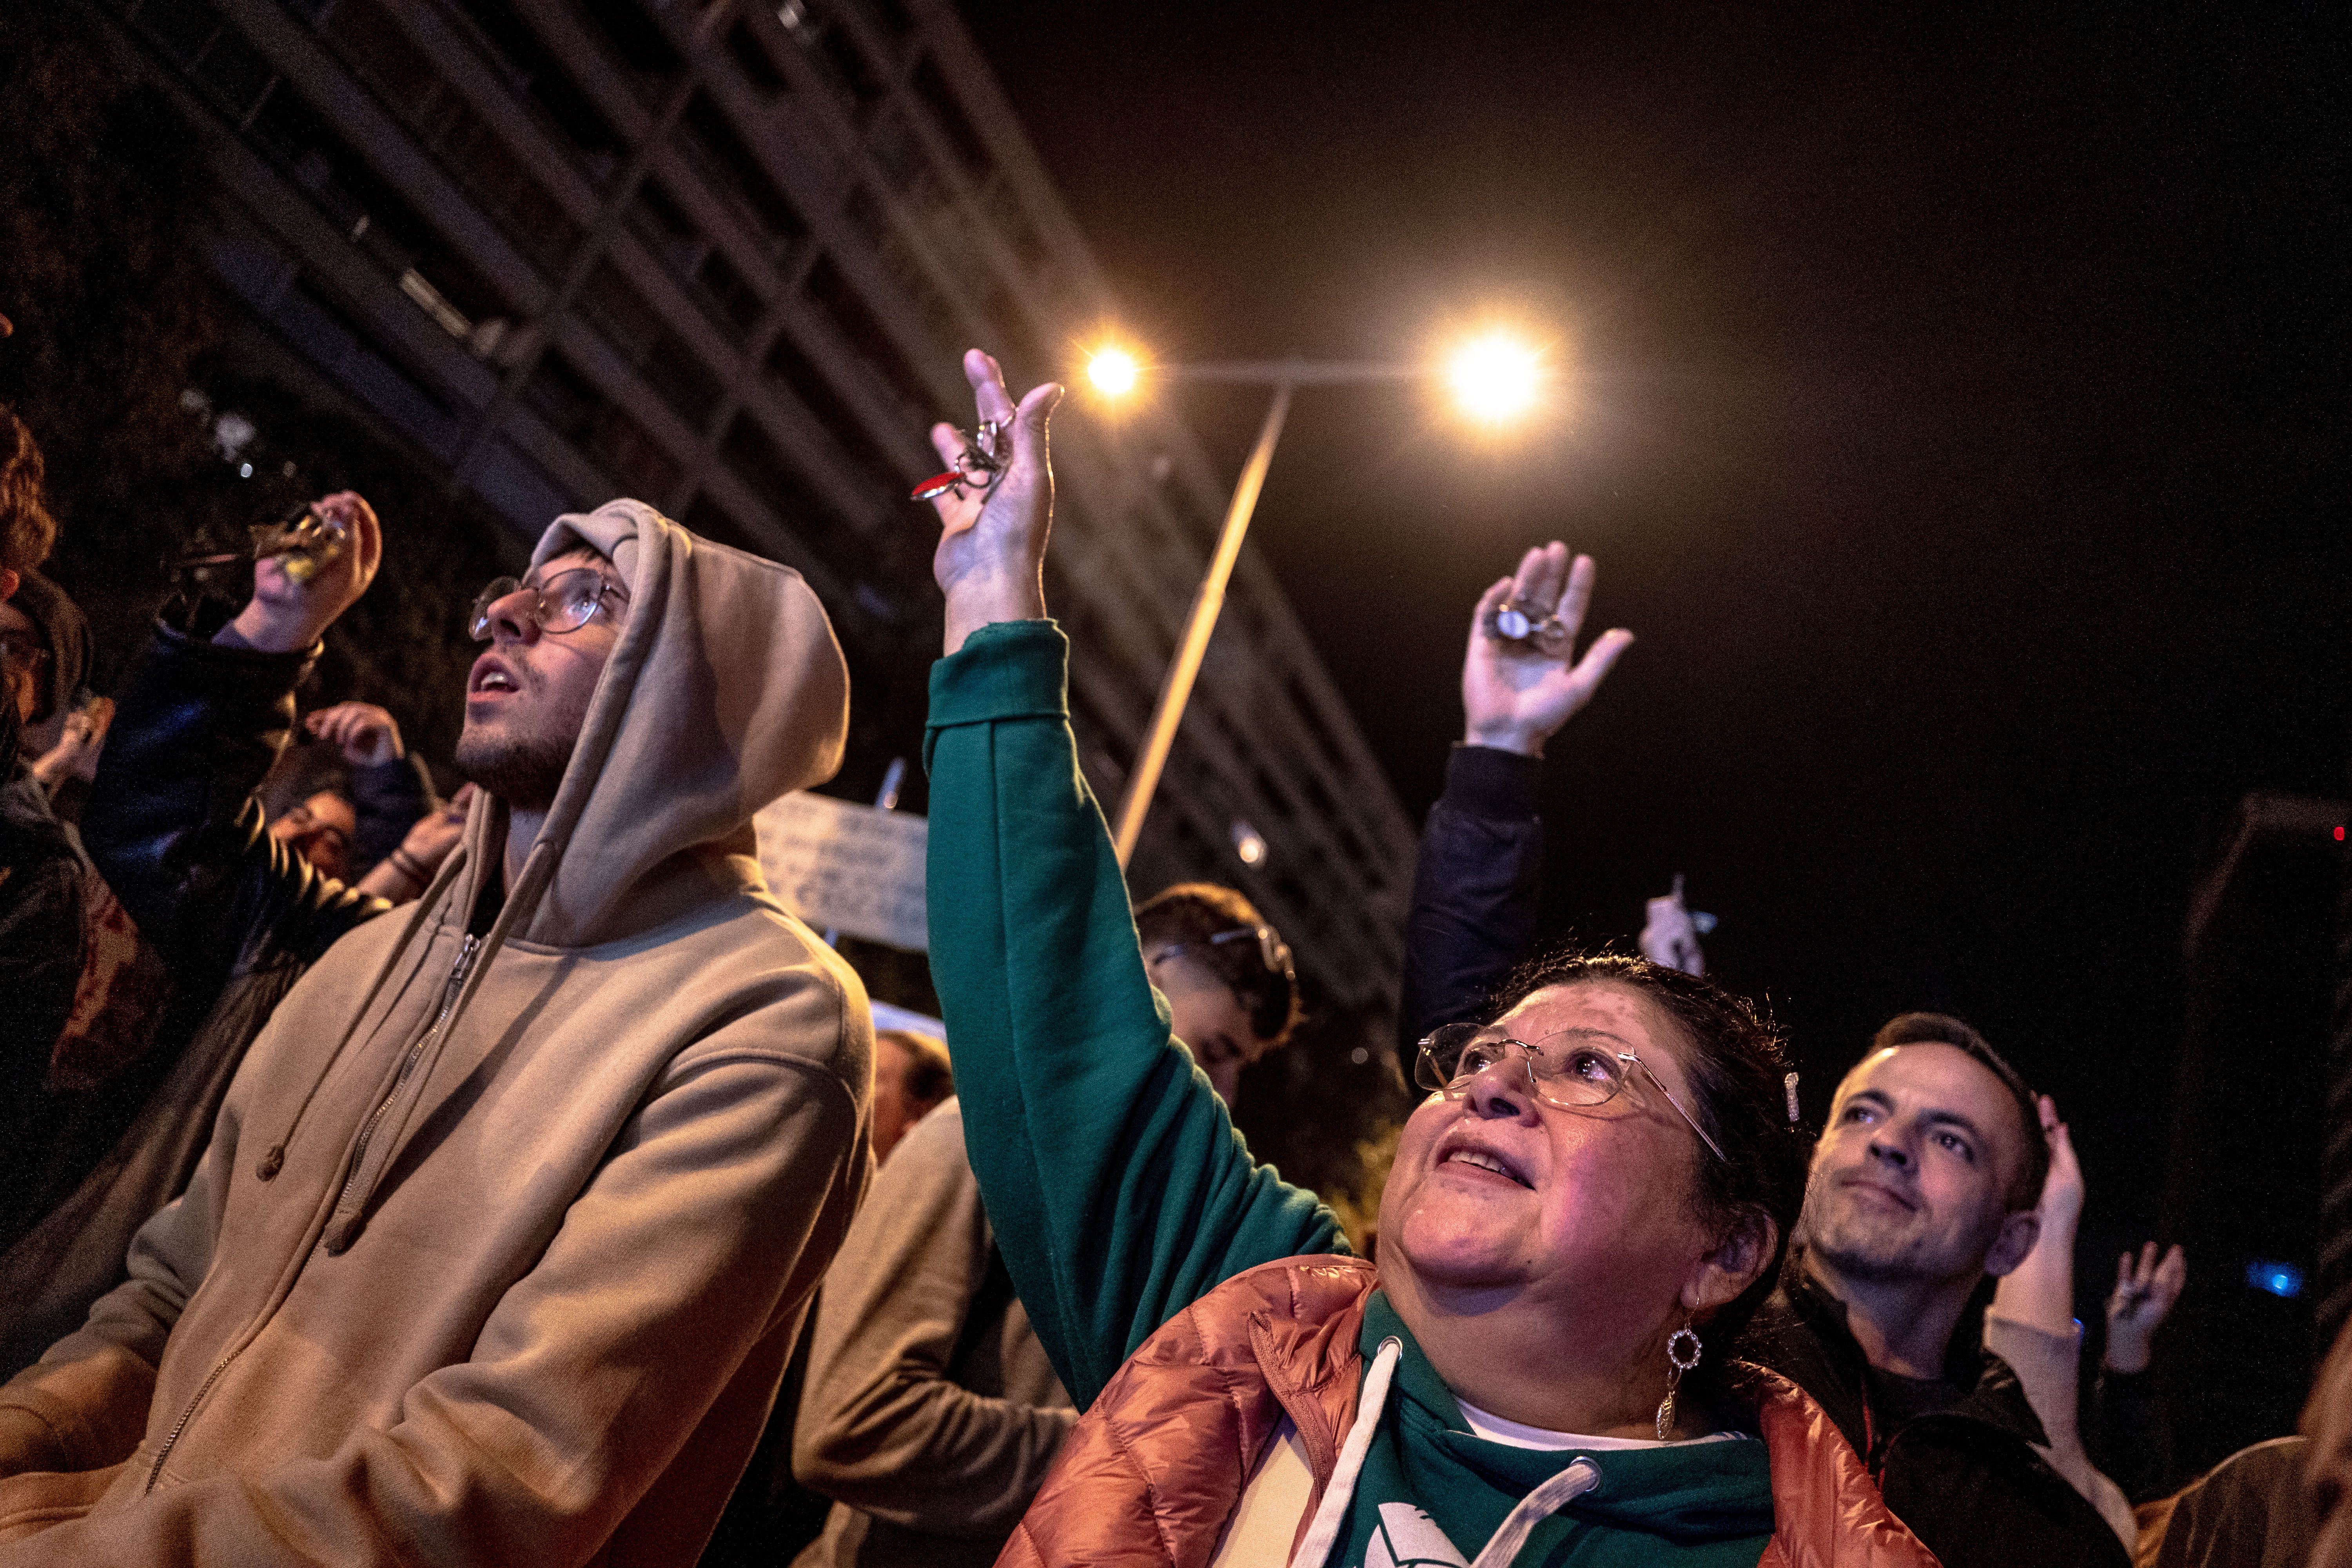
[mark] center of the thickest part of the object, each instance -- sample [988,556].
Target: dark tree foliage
[126,358]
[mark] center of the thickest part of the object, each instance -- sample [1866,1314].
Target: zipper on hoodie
[449,990]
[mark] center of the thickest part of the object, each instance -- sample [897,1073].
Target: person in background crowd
[931,1413]
[402,876]
[70,1097]
[28,531]
[774,1515]
[1232,989]
[389,789]
[510,1216]
[1968,1479]
[1670,933]
[44,881]
[2032,1326]
[71,765]
[2033,1329]
[1927,1181]
[1570,1225]
[911,1075]
[49,639]
[2131,1436]
[230,912]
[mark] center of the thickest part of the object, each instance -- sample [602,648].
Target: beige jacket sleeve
[2049,1368]
[590,1375]
[885,1425]
[84,1405]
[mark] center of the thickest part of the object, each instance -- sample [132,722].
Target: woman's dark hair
[1738,1070]
[1192,912]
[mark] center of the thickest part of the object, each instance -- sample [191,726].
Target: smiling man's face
[1910,1181]
[1497,1191]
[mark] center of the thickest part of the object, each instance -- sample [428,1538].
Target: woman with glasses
[1598,1185]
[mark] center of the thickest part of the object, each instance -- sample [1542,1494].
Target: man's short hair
[1941,1029]
[26,529]
[930,1075]
[1192,912]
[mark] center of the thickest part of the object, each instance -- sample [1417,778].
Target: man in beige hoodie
[512,1212]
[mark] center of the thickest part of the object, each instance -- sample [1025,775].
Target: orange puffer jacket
[1153,1471]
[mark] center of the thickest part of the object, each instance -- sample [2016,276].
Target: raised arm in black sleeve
[1476,887]
[174,826]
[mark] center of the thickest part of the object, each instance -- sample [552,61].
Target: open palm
[1515,695]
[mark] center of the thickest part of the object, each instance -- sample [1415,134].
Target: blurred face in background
[22,652]
[897,1105]
[1208,1016]
[320,830]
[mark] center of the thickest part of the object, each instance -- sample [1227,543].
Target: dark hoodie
[500,1242]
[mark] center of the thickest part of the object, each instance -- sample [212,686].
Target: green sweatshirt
[1119,1191]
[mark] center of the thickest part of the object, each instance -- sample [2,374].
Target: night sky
[1956,409]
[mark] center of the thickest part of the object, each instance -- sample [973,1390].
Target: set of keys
[1510,622]
[980,467]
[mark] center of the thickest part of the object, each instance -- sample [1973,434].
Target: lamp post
[1492,378]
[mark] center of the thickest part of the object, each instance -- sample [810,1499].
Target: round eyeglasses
[563,604]
[1568,1069]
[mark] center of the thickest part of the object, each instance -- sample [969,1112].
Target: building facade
[725,256]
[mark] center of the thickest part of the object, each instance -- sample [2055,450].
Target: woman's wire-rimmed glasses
[561,604]
[1566,1070]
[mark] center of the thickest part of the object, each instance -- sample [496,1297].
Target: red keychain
[980,468]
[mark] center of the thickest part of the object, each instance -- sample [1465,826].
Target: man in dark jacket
[173,826]
[40,877]
[1945,1429]
[1923,1189]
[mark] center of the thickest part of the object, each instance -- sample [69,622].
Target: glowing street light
[1494,377]
[1113,370]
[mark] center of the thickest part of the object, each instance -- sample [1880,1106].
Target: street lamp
[1492,377]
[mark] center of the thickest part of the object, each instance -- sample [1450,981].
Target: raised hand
[1515,695]
[363,733]
[2146,1289]
[1669,936]
[403,874]
[285,616]
[76,754]
[992,555]
[2061,1191]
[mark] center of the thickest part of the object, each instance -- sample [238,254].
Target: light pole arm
[1177,690]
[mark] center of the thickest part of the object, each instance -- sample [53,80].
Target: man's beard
[1888,1254]
[523,773]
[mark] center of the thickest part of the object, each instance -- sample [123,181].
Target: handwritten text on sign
[842,866]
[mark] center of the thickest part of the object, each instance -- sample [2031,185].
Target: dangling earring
[1682,1354]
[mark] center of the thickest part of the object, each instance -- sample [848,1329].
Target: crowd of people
[510,1179]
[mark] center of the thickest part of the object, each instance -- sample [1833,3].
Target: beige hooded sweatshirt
[517,1287]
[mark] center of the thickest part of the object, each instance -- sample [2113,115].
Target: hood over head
[726,689]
